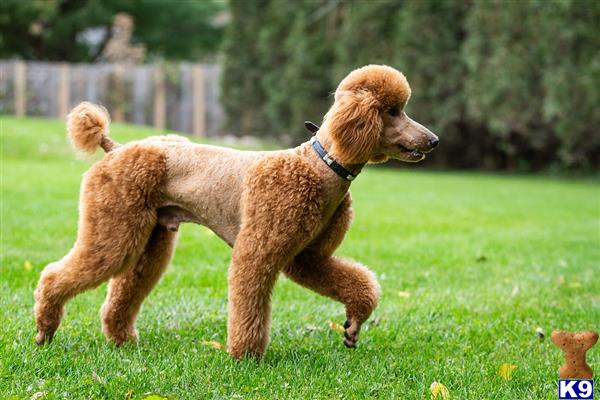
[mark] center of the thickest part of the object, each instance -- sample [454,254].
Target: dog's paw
[120,336]
[44,337]
[351,329]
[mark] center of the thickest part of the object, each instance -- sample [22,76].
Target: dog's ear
[354,124]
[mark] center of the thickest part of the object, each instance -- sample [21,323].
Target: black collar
[322,153]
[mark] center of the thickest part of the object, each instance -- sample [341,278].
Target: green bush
[506,84]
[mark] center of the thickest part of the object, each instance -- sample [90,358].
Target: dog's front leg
[341,279]
[281,211]
[250,284]
[259,255]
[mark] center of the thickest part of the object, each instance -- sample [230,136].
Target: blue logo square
[575,389]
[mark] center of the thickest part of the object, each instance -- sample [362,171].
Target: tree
[242,95]
[278,20]
[506,84]
[367,35]
[503,91]
[571,79]
[78,30]
[273,76]
[428,39]
[308,73]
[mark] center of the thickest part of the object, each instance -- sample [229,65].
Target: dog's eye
[393,111]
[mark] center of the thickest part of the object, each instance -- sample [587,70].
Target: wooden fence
[180,97]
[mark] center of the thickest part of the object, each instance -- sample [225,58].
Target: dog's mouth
[411,155]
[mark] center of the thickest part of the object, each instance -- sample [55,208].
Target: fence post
[20,88]
[199,108]
[63,90]
[118,93]
[159,98]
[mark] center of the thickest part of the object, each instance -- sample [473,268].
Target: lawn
[470,266]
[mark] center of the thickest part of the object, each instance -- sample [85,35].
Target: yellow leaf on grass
[213,344]
[506,371]
[439,391]
[27,265]
[155,397]
[336,327]
[403,294]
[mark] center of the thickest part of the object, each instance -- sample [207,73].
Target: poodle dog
[281,211]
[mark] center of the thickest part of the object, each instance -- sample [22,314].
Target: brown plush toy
[575,345]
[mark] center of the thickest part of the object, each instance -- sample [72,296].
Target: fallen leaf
[404,295]
[439,390]
[213,344]
[336,327]
[27,265]
[154,397]
[506,371]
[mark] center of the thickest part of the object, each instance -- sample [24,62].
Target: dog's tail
[87,127]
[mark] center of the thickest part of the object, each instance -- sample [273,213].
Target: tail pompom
[87,126]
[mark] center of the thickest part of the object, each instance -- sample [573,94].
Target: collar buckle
[324,155]
[327,158]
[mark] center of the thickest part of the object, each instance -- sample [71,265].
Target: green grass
[486,259]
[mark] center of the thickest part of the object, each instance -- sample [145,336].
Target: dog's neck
[333,187]
[327,142]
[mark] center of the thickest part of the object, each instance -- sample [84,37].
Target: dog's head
[367,121]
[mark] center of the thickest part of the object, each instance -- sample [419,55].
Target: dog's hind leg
[127,291]
[117,215]
[100,252]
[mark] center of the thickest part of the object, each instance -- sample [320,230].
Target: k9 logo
[576,389]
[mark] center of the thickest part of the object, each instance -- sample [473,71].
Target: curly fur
[354,121]
[87,127]
[282,211]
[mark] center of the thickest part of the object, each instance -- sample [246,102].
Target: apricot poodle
[281,211]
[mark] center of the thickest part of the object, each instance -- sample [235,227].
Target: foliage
[437,73]
[504,91]
[510,85]
[469,265]
[55,30]
[572,79]
[242,70]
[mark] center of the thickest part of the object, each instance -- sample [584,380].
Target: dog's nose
[434,142]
